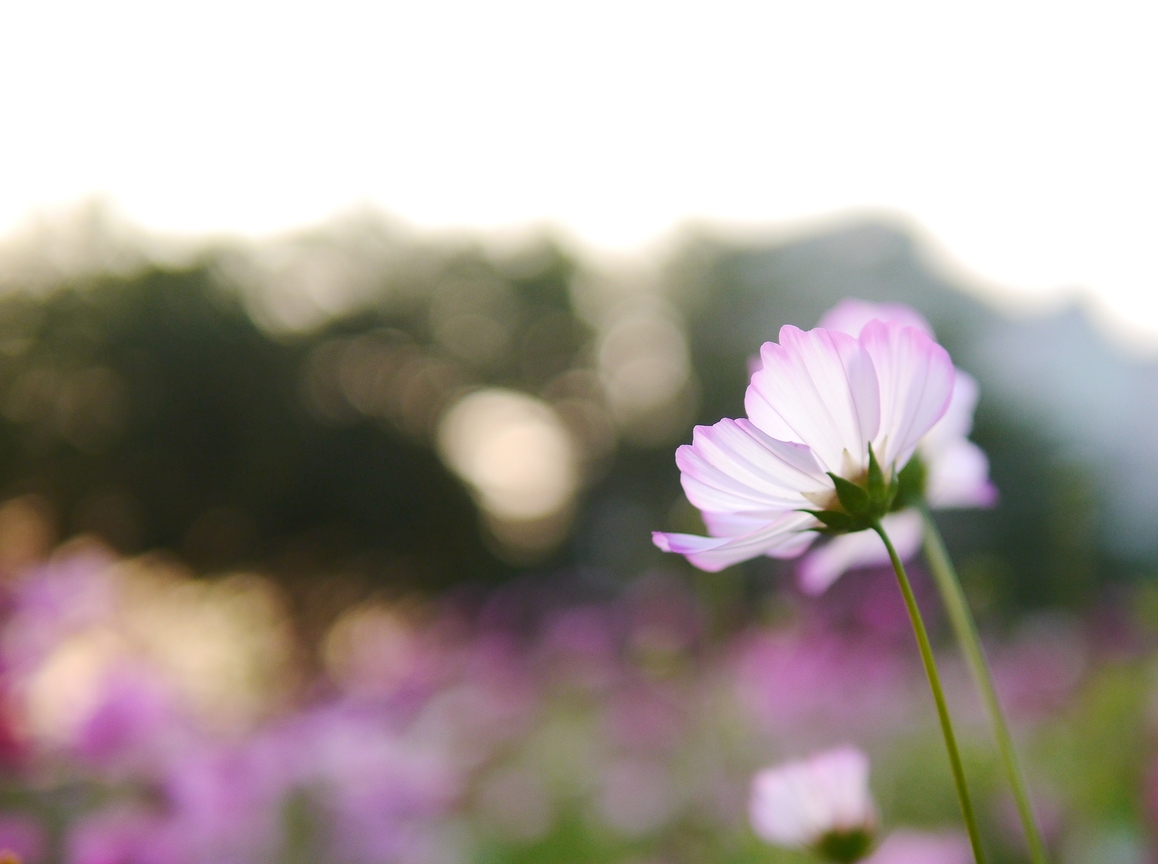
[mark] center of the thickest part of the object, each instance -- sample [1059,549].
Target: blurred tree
[163,409]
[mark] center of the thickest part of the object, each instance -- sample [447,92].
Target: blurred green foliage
[150,408]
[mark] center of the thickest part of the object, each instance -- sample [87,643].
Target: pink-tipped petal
[825,564]
[716,553]
[817,388]
[733,466]
[957,421]
[958,470]
[915,376]
[850,316]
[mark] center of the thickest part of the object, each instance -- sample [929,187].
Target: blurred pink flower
[820,401]
[957,470]
[376,784]
[23,837]
[817,685]
[852,315]
[70,593]
[816,802]
[134,723]
[225,801]
[118,835]
[1037,671]
[912,847]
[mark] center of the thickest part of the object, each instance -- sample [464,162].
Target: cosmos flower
[820,803]
[956,471]
[820,404]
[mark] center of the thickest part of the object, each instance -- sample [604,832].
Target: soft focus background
[327,538]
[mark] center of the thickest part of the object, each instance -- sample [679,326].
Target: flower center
[856,504]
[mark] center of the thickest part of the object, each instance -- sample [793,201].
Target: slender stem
[966,630]
[938,697]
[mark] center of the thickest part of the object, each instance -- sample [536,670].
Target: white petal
[793,546]
[915,377]
[798,803]
[734,524]
[817,388]
[715,553]
[734,466]
[823,566]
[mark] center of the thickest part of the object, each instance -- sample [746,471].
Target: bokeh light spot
[513,451]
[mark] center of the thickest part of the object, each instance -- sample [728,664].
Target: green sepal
[882,494]
[910,484]
[853,498]
[834,521]
[845,847]
[877,489]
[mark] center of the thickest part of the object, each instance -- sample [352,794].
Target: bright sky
[1022,137]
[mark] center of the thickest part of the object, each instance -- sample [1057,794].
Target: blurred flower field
[151,717]
[338,549]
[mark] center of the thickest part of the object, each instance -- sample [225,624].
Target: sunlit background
[344,351]
[614,121]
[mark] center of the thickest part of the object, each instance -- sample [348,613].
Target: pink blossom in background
[71,592]
[224,799]
[818,403]
[852,315]
[122,834]
[134,725]
[957,469]
[376,781]
[913,847]
[798,803]
[801,686]
[440,736]
[580,645]
[23,836]
[1038,670]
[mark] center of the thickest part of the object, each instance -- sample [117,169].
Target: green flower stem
[966,630]
[938,697]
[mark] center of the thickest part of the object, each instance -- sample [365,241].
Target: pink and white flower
[818,403]
[957,470]
[812,802]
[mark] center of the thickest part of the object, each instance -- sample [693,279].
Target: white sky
[1022,137]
